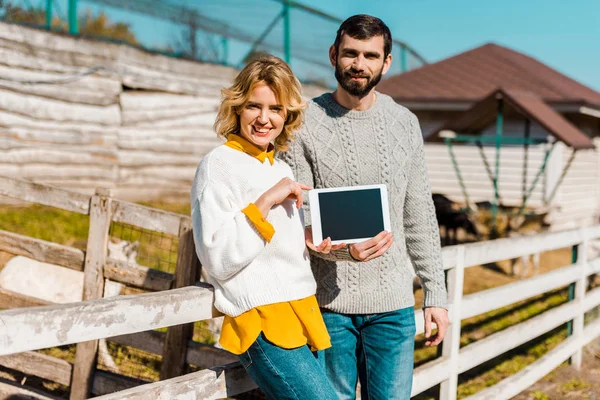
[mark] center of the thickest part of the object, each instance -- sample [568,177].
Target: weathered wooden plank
[71,140]
[491,299]
[77,156]
[46,195]
[89,320]
[198,354]
[148,341]
[137,275]
[146,218]
[187,272]
[195,120]
[213,383]
[142,117]
[41,250]
[89,89]
[141,158]
[93,288]
[106,382]
[13,391]
[54,110]
[145,100]
[10,299]
[40,365]
[515,384]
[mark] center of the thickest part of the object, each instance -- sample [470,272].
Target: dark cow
[451,219]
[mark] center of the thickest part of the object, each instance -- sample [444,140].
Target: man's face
[359,64]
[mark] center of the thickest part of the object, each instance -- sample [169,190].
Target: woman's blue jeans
[287,374]
[377,348]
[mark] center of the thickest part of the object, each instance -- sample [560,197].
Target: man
[357,136]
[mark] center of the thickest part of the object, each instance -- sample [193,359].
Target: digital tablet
[349,214]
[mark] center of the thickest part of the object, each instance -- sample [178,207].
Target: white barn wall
[139,125]
[577,199]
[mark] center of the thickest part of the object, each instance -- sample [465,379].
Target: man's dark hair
[363,27]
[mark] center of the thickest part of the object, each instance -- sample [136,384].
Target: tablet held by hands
[349,214]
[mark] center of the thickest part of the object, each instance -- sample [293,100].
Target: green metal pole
[572,288]
[49,4]
[526,158]
[73,25]
[403,65]
[499,130]
[225,49]
[286,31]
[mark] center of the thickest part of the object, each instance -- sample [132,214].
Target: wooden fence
[181,301]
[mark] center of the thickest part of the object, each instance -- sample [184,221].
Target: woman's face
[262,117]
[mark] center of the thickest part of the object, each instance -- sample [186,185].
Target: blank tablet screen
[351,214]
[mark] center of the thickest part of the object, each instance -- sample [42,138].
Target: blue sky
[564,34]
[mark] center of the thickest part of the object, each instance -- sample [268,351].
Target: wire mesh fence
[216,31]
[138,246]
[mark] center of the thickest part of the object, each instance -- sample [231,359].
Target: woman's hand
[325,247]
[284,189]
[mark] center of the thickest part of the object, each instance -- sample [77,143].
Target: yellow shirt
[288,324]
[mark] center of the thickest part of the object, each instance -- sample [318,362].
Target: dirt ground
[567,383]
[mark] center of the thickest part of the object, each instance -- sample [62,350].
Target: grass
[156,251]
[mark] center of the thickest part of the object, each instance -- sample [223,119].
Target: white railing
[34,328]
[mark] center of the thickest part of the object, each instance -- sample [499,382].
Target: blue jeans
[378,349]
[287,374]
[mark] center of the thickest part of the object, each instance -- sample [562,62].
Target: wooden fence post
[451,344]
[187,273]
[93,288]
[580,288]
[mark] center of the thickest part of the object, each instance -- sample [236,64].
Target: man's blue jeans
[287,374]
[377,348]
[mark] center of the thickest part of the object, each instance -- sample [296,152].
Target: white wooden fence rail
[23,330]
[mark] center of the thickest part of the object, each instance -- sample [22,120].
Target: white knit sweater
[245,270]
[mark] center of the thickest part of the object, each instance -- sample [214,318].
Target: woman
[250,237]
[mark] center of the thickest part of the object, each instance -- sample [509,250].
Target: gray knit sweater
[382,145]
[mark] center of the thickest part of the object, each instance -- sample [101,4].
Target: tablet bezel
[315,211]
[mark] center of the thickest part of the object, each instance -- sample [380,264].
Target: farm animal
[452,219]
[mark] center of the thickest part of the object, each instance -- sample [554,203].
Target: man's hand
[372,248]
[440,317]
[325,247]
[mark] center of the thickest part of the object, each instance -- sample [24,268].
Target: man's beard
[357,88]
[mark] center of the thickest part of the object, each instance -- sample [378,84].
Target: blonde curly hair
[276,74]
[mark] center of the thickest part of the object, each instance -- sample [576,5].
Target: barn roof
[472,75]
[483,114]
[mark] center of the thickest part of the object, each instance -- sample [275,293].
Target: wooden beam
[187,272]
[46,195]
[10,299]
[13,391]
[213,383]
[41,250]
[146,218]
[107,382]
[57,325]
[201,355]
[93,288]
[40,365]
[138,276]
